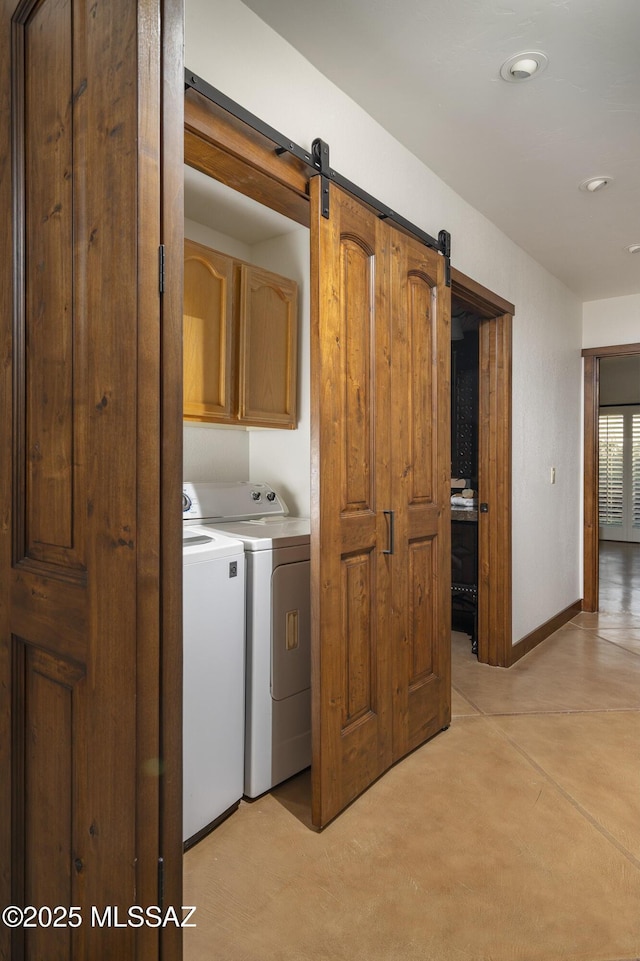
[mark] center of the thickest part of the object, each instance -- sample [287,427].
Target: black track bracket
[318,159]
[320,152]
[444,242]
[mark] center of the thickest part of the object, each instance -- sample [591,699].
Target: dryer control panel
[230,501]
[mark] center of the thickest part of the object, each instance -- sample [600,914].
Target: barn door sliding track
[318,161]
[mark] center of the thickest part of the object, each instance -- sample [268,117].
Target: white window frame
[629,527]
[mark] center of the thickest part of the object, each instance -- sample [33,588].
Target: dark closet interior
[464,471]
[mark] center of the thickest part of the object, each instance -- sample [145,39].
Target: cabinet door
[267,329]
[208,333]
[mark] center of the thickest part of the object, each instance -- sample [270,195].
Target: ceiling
[429,72]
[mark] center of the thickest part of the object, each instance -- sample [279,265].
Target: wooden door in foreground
[82,617]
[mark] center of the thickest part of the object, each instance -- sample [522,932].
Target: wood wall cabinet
[208,333]
[240,341]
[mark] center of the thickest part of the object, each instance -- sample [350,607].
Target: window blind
[611,469]
[635,471]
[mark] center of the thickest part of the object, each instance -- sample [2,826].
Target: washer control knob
[271,496]
[256,495]
[186,502]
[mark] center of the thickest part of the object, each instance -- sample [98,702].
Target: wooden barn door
[82,466]
[421,483]
[380,480]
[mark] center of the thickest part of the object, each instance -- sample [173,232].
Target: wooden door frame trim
[591,532]
[218,144]
[618,351]
[171,308]
[494,468]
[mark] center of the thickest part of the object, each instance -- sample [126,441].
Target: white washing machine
[214,579]
[278,620]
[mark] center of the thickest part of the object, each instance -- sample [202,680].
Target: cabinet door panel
[208,333]
[268,336]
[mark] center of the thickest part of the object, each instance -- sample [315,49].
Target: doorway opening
[464,471]
[611,478]
[492,316]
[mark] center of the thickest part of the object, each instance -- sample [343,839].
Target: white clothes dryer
[278,622]
[213,679]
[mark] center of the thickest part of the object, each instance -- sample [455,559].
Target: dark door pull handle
[391,516]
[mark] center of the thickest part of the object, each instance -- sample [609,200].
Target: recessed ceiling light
[633,248]
[595,183]
[523,66]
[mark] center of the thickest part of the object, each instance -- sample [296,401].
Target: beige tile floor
[513,836]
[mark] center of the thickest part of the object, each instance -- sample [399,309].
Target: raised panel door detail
[48,762]
[420,385]
[44,770]
[47,308]
[358,603]
[358,315]
[421,620]
[208,330]
[268,337]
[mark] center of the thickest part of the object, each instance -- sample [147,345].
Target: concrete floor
[513,836]
[619,577]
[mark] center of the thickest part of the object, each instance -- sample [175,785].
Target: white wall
[608,323]
[235,51]
[547,518]
[216,240]
[213,453]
